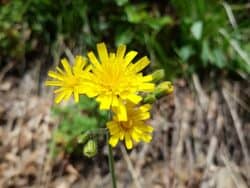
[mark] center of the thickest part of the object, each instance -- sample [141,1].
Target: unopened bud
[158,75]
[150,98]
[83,138]
[90,148]
[164,88]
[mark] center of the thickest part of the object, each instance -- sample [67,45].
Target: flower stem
[111,165]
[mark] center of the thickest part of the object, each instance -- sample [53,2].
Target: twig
[235,46]
[202,96]
[238,100]
[235,177]
[237,125]
[130,167]
[230,14]
[6,69]
[214,140]
[70,55]
[240,7]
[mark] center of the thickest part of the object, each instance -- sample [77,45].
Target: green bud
[158,75]
[90,148]
[163,88]
[83,138]
[150,98]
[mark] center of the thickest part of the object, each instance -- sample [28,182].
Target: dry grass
[201,139]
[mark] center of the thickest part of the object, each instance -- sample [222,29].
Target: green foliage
[179,36]
[75,122]
[12,29]
[206,37]
[79,24]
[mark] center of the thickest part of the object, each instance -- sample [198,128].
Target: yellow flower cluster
[134,128]
[116,83]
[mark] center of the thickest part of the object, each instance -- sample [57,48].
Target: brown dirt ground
[201,139]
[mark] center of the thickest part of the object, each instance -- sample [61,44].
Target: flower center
[72,81]
[112,83]
[127,125]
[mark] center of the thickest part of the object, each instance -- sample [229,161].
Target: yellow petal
[128,141]
[60,97]
[120,51]
[113,140]
[79,64]
[134,98]
[114,128]
[105,102]
[146,138]
[88,91]
[145,107]
[111,56]
[111,124]
[76,95]
[102,52]
[145,128]
[60,70]
[55,75]
[53,83]
[143,116]
[147,87]
[147,78]
[66,66]
[121,135]
[93,59]
[136,136]
[130,56]
[149,128]
[121,112]
[67,95]
[88,68]
[115,101]
[141,64]
[59,90]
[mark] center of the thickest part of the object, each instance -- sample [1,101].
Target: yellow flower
[114,78]
[70,80]
[134,128]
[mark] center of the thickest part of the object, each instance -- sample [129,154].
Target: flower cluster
[116,83]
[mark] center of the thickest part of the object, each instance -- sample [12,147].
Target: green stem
[111,166]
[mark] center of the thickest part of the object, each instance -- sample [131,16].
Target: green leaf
[196,30]
[219,58]
[185,52]
[135,13]
[121,2]
[158,23]
[87,103]
[206,54]
[124,37]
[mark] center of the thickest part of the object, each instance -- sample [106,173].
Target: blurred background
[201,136]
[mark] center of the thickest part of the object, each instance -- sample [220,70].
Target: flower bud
[164,88]
[90,148]
[83,138]
[158,75]
[150,98]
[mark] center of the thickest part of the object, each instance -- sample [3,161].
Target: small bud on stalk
[158,75]
[150,98]
[163,88]
[90,148]
[83,138]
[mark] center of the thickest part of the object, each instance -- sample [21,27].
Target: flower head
[114,78]
[70,81]
[134,129]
